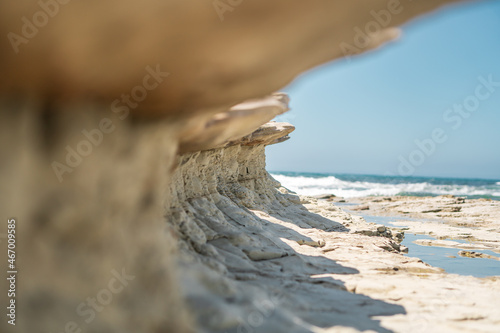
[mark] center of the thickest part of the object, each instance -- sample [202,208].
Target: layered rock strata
[87,173]
[89,193]
[256,258]
[238,230]
[206,242]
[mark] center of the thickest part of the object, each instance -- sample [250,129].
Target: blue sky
[364,114]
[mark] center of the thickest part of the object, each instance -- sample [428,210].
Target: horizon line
[379,175]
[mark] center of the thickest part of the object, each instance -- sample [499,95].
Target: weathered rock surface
[444,217]
[256,258]
[104,217]
[249,255]
[90,201]
[473,254]
[237,125]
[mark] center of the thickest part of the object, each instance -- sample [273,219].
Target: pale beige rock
[267,134]
[105,216]
[473,254]
[445,218]
[264,255]
[449,244]
[239,124]
[215,61]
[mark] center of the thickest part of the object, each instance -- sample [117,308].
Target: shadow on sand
[279,289]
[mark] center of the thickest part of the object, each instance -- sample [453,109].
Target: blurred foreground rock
[217,52]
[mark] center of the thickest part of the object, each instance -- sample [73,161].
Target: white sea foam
[347,189]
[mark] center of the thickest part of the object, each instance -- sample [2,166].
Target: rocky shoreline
[240,253]
[133,162]
[476,221]
[255,257]
[244,254]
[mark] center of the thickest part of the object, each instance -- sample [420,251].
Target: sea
[351,185]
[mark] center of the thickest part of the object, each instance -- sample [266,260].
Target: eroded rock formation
[105,196]
[235,227]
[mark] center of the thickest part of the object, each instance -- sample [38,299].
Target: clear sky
[364,114]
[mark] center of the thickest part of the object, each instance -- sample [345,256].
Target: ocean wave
[348,189]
